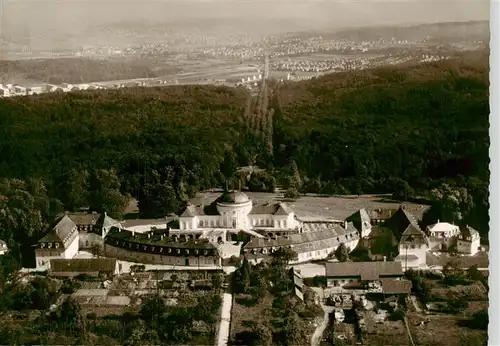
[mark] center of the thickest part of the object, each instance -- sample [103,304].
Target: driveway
[222,338]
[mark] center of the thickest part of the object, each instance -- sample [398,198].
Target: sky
[69,16]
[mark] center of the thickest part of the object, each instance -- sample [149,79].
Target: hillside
[359,132]
[473,30]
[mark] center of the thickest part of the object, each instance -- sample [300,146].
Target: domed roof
[233,197]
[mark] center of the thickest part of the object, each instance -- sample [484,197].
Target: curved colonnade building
[206,235]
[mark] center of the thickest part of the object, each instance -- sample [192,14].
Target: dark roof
[468,231]
[61,232]
[84,218]
[211,209]
[116,236]
[366,270]
[391,286]
[83,265]
[360,219]
[233,197]
[105,221]
[298,240]
[405,227]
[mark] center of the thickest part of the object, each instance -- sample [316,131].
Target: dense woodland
[414,131]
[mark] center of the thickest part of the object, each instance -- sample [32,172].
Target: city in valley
[233,182]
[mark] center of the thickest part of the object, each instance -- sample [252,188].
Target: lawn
[444,330]
[243,315]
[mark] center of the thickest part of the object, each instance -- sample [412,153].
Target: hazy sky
[38,16]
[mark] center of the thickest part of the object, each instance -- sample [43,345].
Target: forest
[417,131]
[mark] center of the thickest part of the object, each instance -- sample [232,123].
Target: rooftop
[391,286]
[83,265]
[366,270]
[441,227]
[159,237]
[233,197]
[332,232]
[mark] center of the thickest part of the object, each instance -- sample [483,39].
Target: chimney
[105,214]
[345,224]
[149,235]
[385,258]
[438,221]
[133,233]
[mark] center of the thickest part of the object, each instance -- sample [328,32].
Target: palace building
[205,235]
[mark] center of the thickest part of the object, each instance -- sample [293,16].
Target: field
[443,330]
[315,207]
[242,314]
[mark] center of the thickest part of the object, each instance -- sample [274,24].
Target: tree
[480,320]
[283,256]
[453,272]
[105,195]
[176,326]
[294,334]
[242,276]
[264,334]
[217,280]
[152,308]
[44,294]
[96,250]
[342,253]
[451,204]
[457,304]
[228,165]
[402,190]
[292,193]
[159,195]
[75,187]
[474,274]
[69,316]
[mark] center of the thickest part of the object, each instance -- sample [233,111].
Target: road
[318,333]
[223,337]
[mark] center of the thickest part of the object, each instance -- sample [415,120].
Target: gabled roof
[365,270]
[105,221]
[403,225]
[468,231]
[283,209]
[61,232]
[84,218]
[414,236]
[360,219]
[190,211]
[441,227]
